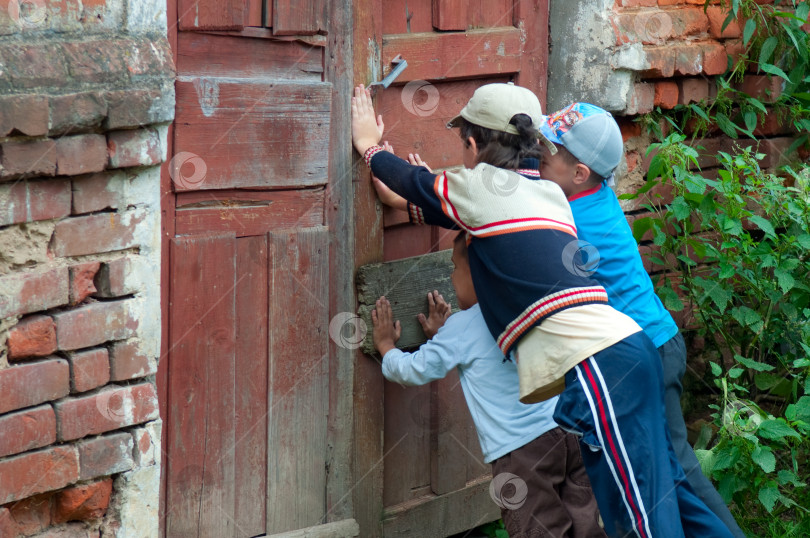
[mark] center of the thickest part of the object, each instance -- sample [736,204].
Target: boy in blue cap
[590,147]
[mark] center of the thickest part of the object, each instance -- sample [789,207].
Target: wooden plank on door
[447,514]
[298,391]
[248,212]
[476,53]
[254,133]
[250,450]
[298,17]
[216,55]
[211,14]
[200,466]
[450,14]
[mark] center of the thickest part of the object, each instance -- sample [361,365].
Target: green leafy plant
[736,245]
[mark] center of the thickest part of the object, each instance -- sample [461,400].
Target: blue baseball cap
[589,133]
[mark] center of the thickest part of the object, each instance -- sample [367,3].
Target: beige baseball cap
[493,106]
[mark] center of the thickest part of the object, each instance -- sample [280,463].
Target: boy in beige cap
[543,311]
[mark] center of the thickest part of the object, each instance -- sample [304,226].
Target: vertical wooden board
[298,17]
[298,391]
[200,462]
[492,13]
[254,11]
[450,14]
[211,14]
[406,17]
[406,240]
[250,450]
[251,134]
[415,121]
[534,60]
[448,451]
[407,443]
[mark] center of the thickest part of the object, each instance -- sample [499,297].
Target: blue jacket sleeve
[415,184]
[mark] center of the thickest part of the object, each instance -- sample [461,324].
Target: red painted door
[432,473]
[246,382]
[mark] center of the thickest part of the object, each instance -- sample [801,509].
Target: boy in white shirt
[518,439]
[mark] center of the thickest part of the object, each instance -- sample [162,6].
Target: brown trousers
[557,500]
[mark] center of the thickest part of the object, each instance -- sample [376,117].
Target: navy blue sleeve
[414,183]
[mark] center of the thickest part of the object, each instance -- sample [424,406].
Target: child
[590,148]
[554,321]
[519,439]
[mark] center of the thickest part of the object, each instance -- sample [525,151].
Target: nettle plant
[735,245]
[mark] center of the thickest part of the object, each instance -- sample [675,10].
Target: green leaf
[784,279]
[776,428]
[716,369]
[706,459]
[656,167]
[670,299]
[757,104]
[734,373]
[773,70]
[803,409]
[700,112]
[804,240]
[641,226]
[768,496]
[763,457]
[726,457]
[680,208]
[785,476]
[763,224]
[752,364]
[767,49]
[766,381]
[750,118]
[725,124]
[750,26]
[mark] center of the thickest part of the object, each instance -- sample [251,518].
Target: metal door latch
[399,65]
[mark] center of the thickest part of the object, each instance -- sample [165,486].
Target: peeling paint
[207,95]
[501,49]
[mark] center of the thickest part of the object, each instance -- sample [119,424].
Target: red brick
[763,87]
[127,361]
[717,15]
[629,128]
[36,472]
[112,408]
[93,324]
[96,61]
[76,112]
[7,525]
[670,2]
[100,191]
[81,154]
[715,59]
[632,159]
[146,446]
[34,336]
[22,293]
[735,49]
[105,455]
[688,21]
[37,65]
[146,58]
[640,100]
[89,369]
[661,62]
[81,281]
[28,201]
[666,94]
[636,3]
[90,234]
[31,515]
[775,150]
[24,114]
[32,383]
[692,90]
[139,147]
[136,108]
[29,158]
[688,60]
[111,280]
[26,430]
[82,503]
[772,124]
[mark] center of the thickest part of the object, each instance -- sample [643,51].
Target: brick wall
[86,96]
[631,56]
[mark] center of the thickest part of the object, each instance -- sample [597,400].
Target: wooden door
[256,258]
[419,450]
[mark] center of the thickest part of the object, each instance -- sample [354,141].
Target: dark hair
[570,159]
[460,242]
[504,150]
